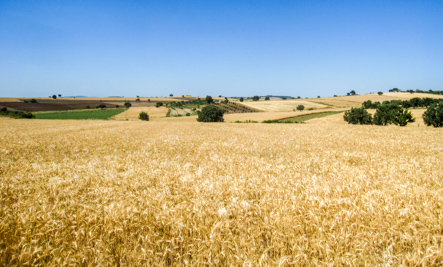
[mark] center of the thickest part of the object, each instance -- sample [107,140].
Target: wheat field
[132,193]
[281,105]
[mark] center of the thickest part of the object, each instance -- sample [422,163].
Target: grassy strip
[306,117]
[303,118]
[94,114]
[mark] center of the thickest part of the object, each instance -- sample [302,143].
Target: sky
[228,48]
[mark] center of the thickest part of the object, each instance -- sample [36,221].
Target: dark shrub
[392,114]
[158,104]
[434,115]
[143,116]
[210,114]
[255,98]
[127,104]
[267,98]
[209,99]
[241,99]
[380,93]
[358,116]
[32,101]
[300,107]
[101,106]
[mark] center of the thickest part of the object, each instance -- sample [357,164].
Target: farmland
[173,191]
[97,114]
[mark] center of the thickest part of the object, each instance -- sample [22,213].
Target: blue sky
[229,48]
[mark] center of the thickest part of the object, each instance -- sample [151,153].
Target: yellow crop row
[168,193]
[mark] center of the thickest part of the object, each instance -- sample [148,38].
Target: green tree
[352,92]
[392,114]
[127,104]
[255,98]
[241,99]
[433,115]
[143,116]
[403,117]
[210,113]
[380,93]
[54,97]
[300,107]
[158,104]
[267,98]
[209,99]
[358,116]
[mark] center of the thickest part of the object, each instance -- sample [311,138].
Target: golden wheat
[281,105]
[155,193]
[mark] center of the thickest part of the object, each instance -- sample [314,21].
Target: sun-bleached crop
[168,193]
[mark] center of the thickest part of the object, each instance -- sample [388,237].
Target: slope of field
[357,100]
[281,105]
[132,113]
[142,194]
[262,116]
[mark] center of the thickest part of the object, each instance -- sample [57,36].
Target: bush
[137,100]
[54,97]
[158,104]
[188,114]
[143,116]
[241,99]
[267,98]
[434,115]
[16,114]
[380,93]
[209,99]
[300,107]
[33,100]
[127,104]
[358,116]
[392,114]
[101,106]
[255,98]
[210,114]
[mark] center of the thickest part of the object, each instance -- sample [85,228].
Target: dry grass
[404,96]
[132,113]
[281,105]
[9,99]
[135,193]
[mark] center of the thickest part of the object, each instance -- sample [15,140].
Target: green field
[309,116]
[95,114]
